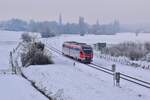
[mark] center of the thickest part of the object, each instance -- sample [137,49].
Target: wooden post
[117,74]
[114,70]
[113,67]
[11,62]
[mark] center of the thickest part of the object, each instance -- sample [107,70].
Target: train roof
[75,43]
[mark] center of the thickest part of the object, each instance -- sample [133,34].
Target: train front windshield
[87,50]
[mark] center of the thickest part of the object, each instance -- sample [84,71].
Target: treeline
[53,27]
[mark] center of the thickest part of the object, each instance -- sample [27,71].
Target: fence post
[11,62]
[114,70]
[117,78]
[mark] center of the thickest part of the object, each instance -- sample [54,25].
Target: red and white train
[79,51]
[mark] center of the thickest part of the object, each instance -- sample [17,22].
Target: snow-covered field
[13,87]
[91,39]
[8,41]
[67,82]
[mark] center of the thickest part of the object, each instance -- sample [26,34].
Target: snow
[91,39]
[67,82]
[8,41]
[14,87]
[80,82]
[10,35]
[126,69]
[100,81]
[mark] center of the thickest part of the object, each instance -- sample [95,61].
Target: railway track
[110,72]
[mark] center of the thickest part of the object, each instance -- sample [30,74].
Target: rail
[110,72]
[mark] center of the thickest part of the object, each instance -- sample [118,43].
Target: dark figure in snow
[74,64]
[118,79]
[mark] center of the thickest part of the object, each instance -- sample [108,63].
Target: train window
[77,49]
[87,51]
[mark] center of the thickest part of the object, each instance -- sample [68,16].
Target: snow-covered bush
[148,57]
[34,54]
[147,46]
[134,51]
[26,37]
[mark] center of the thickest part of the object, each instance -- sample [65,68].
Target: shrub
[148,57]
[134,51]
[26,37]
[39,58]
[147,46]
[35,55]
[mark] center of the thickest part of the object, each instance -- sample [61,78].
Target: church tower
[60,19]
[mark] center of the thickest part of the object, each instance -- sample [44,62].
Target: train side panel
[66,51]
[75,53]
[72,52]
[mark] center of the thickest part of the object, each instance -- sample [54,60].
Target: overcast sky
[126,11]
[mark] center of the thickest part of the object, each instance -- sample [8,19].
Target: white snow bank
[16,88]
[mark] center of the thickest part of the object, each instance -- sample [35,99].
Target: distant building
[60,25]
[60,19]
[82,26]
